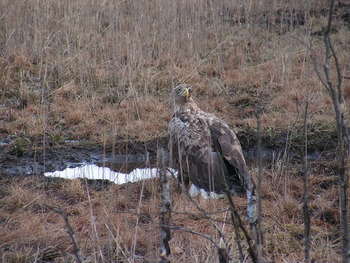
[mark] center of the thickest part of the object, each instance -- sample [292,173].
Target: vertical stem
[237,222]
[165,234]
[70,232]
[342,151]
[260,238]
[305,197]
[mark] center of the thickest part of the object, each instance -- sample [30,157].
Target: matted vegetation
[101,71]
[121,223]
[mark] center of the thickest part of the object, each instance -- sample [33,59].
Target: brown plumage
[203,148]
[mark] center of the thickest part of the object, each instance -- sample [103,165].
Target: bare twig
[205,215]
[93,221]
[137,221]
[193,232]
[259,234]
[70,232]
[343,135]
[236,228]
[341,128]
[165,234]
[237,221]
[305,186]
[343,149]
[345,131]
[171,227]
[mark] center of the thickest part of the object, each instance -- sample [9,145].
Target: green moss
[56,139]
[19,146]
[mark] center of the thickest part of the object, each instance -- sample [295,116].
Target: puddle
[94,172]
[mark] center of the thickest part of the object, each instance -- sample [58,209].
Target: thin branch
[343,136]
[173,227]
[204,213]
[195,233]
[336,62]
[237,235]
[237,220]
[165,234]
[345,131]
[329,20]
[314,61]
[259,234]
[305,186]
[69,231]
[222,252]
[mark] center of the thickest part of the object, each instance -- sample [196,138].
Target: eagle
[203,148]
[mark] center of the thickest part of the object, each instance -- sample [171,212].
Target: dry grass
[116,224]
[104,69]
[101,71]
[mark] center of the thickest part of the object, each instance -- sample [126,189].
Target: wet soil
[123,157]
[126,156]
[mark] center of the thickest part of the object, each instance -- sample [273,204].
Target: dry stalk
[208,217]
[259,234]
[70,232]
[343,148]
[238,223]
[335,93]
[93,221]
[165,234]
[137,221]
[305,186]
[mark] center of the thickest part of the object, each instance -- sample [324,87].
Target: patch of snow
[195,191]
[91,171]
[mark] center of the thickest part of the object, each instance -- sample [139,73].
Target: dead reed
[68,68]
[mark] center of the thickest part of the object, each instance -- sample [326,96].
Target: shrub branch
[305,188]
[70,232]
[165,234]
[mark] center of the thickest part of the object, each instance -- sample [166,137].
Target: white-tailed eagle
[204,149]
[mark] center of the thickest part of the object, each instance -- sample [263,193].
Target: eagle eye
[178,92]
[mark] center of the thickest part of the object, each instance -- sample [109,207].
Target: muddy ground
[38,160]
[21,157]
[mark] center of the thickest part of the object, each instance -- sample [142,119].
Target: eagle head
[180,94]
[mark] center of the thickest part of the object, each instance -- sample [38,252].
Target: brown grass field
[100,72]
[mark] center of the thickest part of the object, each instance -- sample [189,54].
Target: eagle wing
[227,144]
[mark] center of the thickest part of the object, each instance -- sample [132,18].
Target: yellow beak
[186,94]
